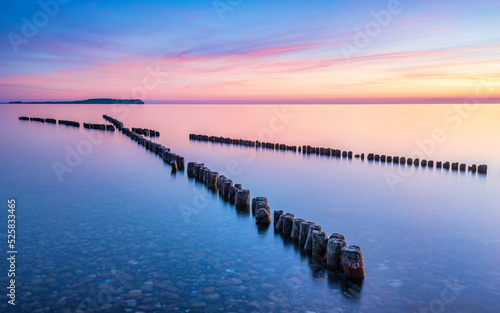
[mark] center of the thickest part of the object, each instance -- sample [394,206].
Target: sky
[242,51]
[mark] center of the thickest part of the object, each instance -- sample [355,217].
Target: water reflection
[262,229]
[77,236]
[350,288]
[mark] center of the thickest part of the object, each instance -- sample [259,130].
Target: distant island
[89,101]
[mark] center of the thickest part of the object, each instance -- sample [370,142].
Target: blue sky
[262,51]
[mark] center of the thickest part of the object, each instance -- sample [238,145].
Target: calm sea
[112,230]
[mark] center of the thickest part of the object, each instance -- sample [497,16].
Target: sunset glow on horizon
[251,51]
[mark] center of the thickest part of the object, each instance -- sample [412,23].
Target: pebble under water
[121,233]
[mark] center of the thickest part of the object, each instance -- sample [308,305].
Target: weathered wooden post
[279,225]
[180,162]
[232,193]
[262,205]
[304,230]
[352,262]
[174,166]
[294,235]
[242,199]
[262,217]
[197,168]
[212,183]
[308,244]
[288,224]
[334,251]
[319,242]
[254,203]
[190,169]
[277,214]
[225,191]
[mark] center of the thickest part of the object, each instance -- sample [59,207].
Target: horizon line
[353,101]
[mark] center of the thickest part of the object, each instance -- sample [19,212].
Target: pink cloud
[284,72]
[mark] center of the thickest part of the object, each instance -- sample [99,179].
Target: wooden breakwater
[174,160]
[243,142]
[50,121]
[68,123]
[146,132]
[337,153]
[309,237]
[99,126]
[333,250]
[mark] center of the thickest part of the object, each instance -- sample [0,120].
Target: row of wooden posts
[99,126]
[146,132]
[174,160]
[68,123]
[331,152]
[50,121]
[243,142]
[307,235]
[76,124]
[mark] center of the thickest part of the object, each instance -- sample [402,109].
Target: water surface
[120,221]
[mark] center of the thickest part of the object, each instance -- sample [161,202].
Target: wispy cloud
[100,49]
